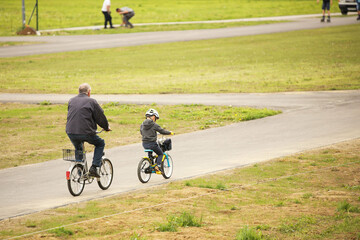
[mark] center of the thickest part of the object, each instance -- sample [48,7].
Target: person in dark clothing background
[84,114]
[106,11]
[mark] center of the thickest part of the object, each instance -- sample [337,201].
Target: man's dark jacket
[83,115]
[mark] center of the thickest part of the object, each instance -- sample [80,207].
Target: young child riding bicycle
[149,129]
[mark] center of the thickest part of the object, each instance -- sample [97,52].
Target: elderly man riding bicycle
[84,114]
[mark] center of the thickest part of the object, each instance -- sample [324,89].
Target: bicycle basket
[166,145]
[74,155]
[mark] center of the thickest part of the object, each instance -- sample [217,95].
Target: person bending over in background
[127,14]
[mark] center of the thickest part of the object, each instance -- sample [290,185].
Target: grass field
[309,60]
[6,44]
[67,13]
[40,129]
[310,195]
[156,28]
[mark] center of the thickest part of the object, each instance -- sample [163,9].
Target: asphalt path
[54,44]
[309,120]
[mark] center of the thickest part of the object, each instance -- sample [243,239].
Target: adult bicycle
[78,174]
[147,164]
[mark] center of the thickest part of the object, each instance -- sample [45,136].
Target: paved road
[53,44]
[309,120]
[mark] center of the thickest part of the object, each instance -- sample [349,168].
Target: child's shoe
[322,19]
[157,170]
[358,18]
[328,19]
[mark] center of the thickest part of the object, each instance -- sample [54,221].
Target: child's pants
[155,147]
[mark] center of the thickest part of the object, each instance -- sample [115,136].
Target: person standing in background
[325,6]
[106,11]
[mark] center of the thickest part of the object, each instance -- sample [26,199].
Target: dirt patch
[27,31]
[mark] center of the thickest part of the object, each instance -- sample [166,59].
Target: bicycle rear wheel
[76,181]
[106,174]
[143,170]
[167,166]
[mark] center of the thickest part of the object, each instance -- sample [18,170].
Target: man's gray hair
[84,88]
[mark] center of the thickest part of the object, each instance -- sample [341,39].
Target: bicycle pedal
[87,176]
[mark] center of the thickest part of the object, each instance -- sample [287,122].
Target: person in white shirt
[106,11]
[127,14]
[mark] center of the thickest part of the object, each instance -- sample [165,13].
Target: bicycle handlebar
[97,132]
[165,135]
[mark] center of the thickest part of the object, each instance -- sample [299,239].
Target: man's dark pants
[107,19]
[126,18]
[99,143]
[155,147]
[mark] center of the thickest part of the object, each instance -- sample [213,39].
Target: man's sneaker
[322,19]
[94,172]
[328,19]
[358,18]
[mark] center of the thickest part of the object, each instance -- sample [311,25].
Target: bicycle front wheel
[143,170]
[167,166]
[106,174]
[76,181]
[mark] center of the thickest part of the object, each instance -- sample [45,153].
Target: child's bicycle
[146,166]
[78,174]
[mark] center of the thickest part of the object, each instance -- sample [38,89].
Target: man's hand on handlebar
[109,129]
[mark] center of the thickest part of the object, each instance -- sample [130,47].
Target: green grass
[156,28]
[247,233]
[39,129]
[345,206]
[185,219]
[7,44]
[309,60]
[245,211]
[67,13]
[62,232]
